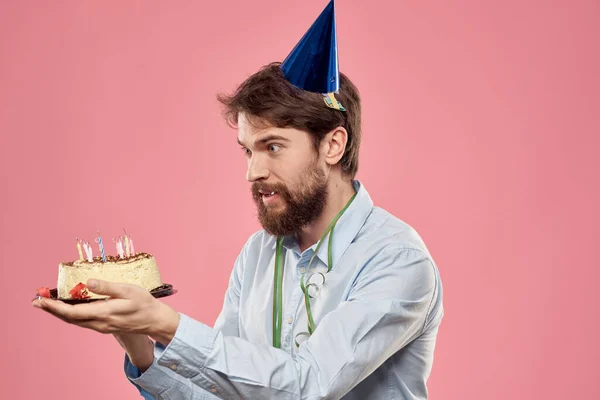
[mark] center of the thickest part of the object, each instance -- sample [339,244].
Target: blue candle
[99,240]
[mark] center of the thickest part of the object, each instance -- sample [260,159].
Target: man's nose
[256,170]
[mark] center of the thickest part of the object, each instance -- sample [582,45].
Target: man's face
[288,185]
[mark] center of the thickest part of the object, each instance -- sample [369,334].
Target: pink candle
[131,246]
[120,247]
[117,242]
[88,251]
[128,244]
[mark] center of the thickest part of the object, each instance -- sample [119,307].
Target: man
[333,298]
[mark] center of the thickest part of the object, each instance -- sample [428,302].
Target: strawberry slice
[43,292]
[80,291]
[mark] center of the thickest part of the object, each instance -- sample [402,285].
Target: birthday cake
[139,269]
[127,266]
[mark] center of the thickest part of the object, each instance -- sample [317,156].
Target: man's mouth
[266,194]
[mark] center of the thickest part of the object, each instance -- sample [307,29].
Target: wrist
[166,322]
[139,349]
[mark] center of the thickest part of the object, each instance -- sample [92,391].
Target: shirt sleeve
[387,308]
[156,383]
[160,381]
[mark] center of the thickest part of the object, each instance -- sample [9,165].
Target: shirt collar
[346,228]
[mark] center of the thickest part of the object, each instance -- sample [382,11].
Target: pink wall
[481,128]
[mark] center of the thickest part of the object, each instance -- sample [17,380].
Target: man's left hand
[130,309]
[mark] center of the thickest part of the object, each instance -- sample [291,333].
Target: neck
[339,195]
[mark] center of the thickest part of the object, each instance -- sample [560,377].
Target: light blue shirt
[377,319]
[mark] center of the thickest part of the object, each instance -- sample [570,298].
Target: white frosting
[140,270]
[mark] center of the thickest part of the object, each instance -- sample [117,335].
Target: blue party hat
[313,63]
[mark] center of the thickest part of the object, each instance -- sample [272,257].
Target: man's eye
[245,151]
[274,147]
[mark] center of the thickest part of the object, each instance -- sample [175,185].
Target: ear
[333,145]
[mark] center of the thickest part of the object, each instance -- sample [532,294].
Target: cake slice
[139,269]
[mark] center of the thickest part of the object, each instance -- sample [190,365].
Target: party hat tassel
[332,102]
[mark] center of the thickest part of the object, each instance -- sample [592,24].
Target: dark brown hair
[268,98]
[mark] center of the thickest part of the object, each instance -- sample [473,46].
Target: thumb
[112,289]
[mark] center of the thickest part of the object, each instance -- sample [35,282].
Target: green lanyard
[278,279]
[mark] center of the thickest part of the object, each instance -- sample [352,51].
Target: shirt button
[214,390]
[173,366]
[302,270]
[290,319]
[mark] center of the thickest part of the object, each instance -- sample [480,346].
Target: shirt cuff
[152,382]
[187,352]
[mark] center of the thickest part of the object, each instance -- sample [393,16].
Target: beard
[302,204]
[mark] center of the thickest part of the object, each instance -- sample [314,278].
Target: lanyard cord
[277,295]
[278,278]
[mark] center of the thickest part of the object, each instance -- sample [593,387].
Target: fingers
[91,319]
[58,315]
[71,313]
[112,289]
[126,311]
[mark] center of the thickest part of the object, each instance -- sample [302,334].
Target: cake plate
[161,291]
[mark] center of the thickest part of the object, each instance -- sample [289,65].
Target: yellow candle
[79,249]
[127,245]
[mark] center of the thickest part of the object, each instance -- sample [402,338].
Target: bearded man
[334,298]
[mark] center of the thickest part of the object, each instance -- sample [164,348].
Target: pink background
[481,128]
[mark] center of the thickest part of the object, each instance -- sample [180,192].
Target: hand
[130,309]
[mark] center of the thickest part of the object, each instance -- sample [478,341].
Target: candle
[88,251]
[116,242]
[131,246]
[127,246]
[120,247]
[79,249]
[101,246]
